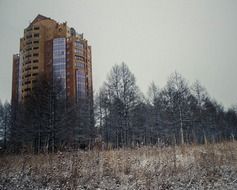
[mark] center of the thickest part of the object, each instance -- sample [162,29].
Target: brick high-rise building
[57,51]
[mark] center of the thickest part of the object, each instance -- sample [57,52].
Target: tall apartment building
[57,51]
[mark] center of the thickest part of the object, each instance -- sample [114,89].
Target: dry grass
[212,166]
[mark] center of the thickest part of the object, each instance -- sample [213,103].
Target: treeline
[176,113]
[46,121]
[121,116]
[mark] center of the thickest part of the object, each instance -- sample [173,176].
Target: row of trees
[176,113]
[121,116]
[47,121]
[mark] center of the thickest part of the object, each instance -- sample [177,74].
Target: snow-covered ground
[212,166]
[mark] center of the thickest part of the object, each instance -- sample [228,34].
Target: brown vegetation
[211,166]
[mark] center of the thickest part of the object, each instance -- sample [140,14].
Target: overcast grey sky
[197,38]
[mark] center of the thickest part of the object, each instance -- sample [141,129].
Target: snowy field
[212,166]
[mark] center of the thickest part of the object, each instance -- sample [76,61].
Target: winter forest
[119,116]
[175,137]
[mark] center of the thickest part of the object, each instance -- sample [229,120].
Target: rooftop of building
[40,17]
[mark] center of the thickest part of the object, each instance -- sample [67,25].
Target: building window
[28,36]
[59,60]
[81,84]
[80,65]
[29,42]
[79,48]
[27,69]
[78,44]
[28,56]
[79,58]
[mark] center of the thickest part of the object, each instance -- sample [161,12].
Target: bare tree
[5,123]
[1,123]
[178,95]
[117,98]
[36,123]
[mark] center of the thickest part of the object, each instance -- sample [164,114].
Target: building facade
[57,51]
